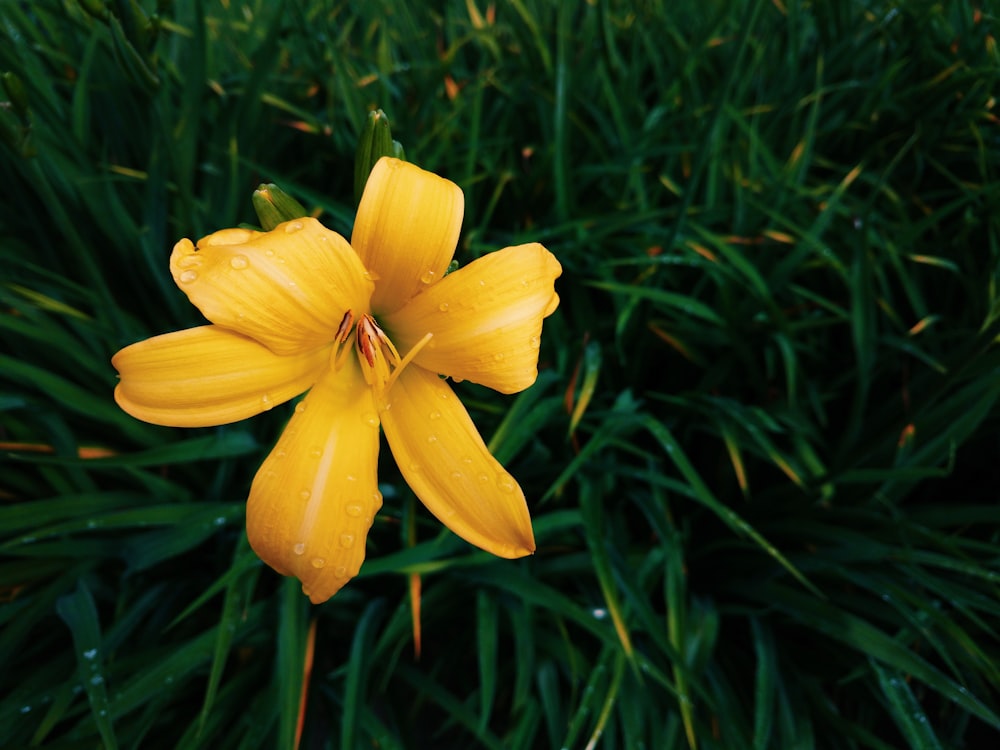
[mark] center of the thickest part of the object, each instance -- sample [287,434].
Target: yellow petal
[314,498]
[208,376]
[445,462]
[288,288]
[406,230]
[486,318]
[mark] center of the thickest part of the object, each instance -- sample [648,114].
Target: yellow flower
[367,328]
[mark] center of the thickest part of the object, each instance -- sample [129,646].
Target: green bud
[96,8]
[273,206]
[374,142]
[130,59]
[397,151]
[16,92]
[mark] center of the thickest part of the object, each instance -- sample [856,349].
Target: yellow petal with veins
[445,462]
[288,288]
[406,230]
[486,318]
[209,376]
[313,499]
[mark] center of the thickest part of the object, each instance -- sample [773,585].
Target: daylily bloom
[368,329]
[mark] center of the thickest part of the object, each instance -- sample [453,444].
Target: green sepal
[274,206]
[374,142]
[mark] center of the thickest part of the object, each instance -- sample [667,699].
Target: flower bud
[374,142]
[130,59]
[96,8]
[274,206]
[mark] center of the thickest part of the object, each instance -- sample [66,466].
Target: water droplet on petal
[269,253]
[432,438]
[239,262]
[435,415]
[292,227]
[467,460]
[428,277]
[317,562]
[265,402]
[505,483]
[300,407]
[535,342]
[443,307]
[347,541]
[414,466]
[340,571]
[188,276]
[498,356]
[305,494]
[370,419]
[457,475]
[483,478]
[351,478]
[316,452]
[299,549]
[354,511]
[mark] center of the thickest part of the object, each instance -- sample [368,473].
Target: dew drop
[435,415]
[220,521]
[354,511]
[414,466]
[299,549]
[351,478]
[443,307]
[269,253]
[525,283]
[457,475]
[467,460]
[25,709]
[482,282]
[305,494]
[316,452]
[370,419]
[265,402]
[498,356]
[505,483]
[317,562]
[280,453]
[340,571]
[239,262]
[535,342]
[428,277]
[300,407]
[432,438]
[90,653]
[347,541]
[483,478]
[96,679]
[292,227]
[188,276]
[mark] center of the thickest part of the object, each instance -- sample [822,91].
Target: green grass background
[762,453]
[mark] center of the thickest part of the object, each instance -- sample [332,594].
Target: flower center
[380,361]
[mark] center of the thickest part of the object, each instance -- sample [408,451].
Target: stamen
[407,359]
[376,353]
[340,352]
